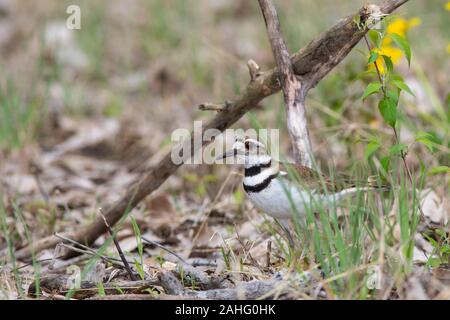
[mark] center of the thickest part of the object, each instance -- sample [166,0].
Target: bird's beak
[230,153]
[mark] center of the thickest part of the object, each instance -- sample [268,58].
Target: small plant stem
[376,66]
[268,253]
[119,249]
[397,140]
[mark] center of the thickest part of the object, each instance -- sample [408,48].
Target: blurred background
[84,112]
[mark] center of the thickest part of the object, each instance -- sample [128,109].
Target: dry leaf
[433,207]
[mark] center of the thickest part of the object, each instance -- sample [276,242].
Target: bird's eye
[247,145]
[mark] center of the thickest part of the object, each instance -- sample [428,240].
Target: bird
[281,195]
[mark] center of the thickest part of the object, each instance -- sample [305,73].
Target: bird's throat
[259,173]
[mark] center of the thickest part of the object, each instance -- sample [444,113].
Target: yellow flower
[392,52]
[380,65]
[448,48]
[400,26]
[447,6]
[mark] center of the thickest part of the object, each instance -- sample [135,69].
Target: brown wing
[314,180]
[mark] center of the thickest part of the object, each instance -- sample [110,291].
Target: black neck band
[260,186]
[253,171]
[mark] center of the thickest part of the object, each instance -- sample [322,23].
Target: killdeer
[272,190]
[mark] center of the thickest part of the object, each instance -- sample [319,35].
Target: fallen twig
[88,250]
[61,265]
[119,249]
[245,290]
[165,249]
[103,258]
[248,290]
[198,278]
[62,284]
[140,297]
[170,283]
[202,262]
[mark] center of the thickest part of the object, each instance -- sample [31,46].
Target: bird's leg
[284,224]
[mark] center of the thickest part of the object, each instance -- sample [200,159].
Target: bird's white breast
[281,198]
[275,199]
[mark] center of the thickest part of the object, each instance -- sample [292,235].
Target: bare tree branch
[313,62]
[244,290]
[294,94]
[253,69]
[61,283]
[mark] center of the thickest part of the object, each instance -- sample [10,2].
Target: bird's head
[250,150]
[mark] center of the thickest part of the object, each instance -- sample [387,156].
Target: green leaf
[443,234]
[373,57]
[433,242]
[397,149]
[427,139]
[371,148]
[396,76]
[357,20]
[439,170]
[137,234]
[388,63]
[401,85]
[140,247]
[375,37]
[101,289]
[394,96]
[445,248]
[238,196]
[434,262]
[140,269]
[388,110]
[385,162]
[403,44]
[372,88]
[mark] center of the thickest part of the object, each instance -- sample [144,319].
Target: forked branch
[293,90]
